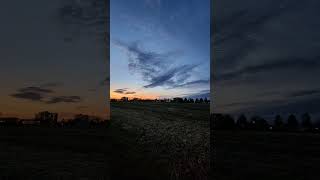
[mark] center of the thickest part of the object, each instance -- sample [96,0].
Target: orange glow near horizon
[114,95]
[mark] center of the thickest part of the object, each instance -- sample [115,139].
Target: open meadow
[144,141]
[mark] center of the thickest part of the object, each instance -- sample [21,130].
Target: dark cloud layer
[64,99]
[275,65]
[268,53]
[32,93]
[124,91]
[44,95]
[155,67]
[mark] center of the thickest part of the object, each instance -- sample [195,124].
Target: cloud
[247,32]
[268,48]
[44,95]
[271,66]
[201,94]
[124,91]
[195,83]
[304,93]
[32,93]
[28,96]
[64,99]
[156,69]
[120,91]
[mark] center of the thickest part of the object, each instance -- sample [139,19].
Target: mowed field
[177,133]
[143,141]
[266,155]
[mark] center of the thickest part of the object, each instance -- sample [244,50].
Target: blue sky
[159,48]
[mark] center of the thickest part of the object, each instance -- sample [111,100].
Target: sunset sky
[159,48]
[267,57]
[52,57]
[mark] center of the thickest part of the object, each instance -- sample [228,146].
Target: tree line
[279,123]
[173,100]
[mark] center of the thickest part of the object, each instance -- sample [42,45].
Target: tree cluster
[173,100]
[291,123]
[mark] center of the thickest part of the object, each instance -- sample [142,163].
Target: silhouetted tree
[292,123]
[201,100]
[185,100]
[306,122]
[197,100]
[242,122]
[258,123]
[206,100]
[278,123]
[225,122]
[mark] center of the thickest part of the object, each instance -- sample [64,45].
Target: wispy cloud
[43,95]
[32,93]
[200,94]
[195,83]
[155,68]
[124,91]
[303,93]
[271,66]
[64,99]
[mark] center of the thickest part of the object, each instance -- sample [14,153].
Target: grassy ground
[144,141]
[176,133]
[266,155]
[72,153]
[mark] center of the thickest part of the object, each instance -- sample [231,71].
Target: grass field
[266,155]
[143,141]
[176,133]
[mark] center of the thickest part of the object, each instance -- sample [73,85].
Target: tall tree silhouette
[242,122]
[201,100]
[225,122]
[292,123]
[306,122]
[258,123]
[278,123]
[185,100]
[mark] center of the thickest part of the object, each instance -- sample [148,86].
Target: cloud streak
[32,93]
[43,95]
[124,91]
[156,69]
[64,99]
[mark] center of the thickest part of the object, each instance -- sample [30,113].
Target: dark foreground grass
[143,141]
[266,155]
[35,153]
[175,133]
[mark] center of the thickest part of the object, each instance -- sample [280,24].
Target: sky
[159,48]
[53,57]
[266,57]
